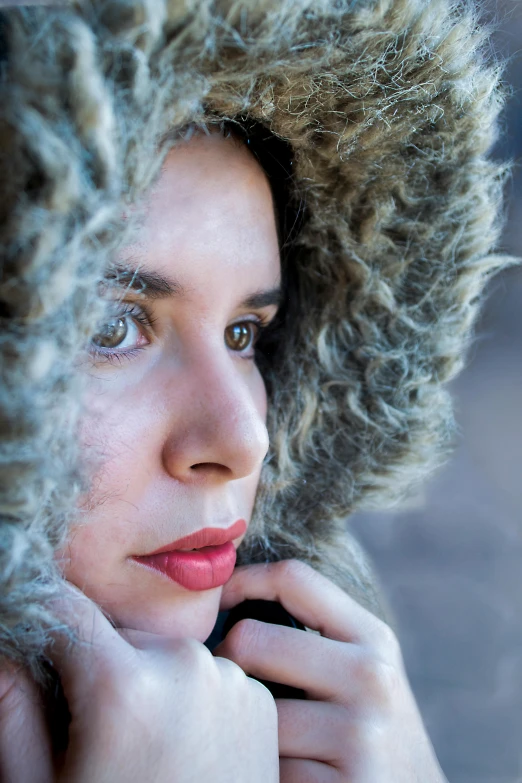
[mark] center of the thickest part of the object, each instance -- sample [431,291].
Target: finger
[309,596]
[311,730]
[301,771]
[320,666]
[94,646]
[25,745]
[327,670]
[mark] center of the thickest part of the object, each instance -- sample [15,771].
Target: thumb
[84,645]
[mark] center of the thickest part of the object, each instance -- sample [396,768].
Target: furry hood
[390,108]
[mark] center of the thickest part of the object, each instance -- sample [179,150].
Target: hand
[148,708]
[25,748]
[360,722]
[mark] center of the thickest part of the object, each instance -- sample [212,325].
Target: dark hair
[276,158]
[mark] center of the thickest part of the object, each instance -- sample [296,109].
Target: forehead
[211,210]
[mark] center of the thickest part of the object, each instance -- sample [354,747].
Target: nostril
[210,467]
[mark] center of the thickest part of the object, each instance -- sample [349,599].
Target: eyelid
[144,323]
[141,314]
[264,316]
[262,322]
[138,311]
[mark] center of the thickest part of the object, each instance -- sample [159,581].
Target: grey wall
[452,566]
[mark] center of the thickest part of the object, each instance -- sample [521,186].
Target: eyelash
[262,324]
[139,314]
[142,315]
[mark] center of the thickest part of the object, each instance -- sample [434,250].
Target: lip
[207,536]
[210,567]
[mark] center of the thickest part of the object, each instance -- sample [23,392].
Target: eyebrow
[155,286]
[150,284]
[261,299]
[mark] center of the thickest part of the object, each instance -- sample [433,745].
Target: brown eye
[112,334]
[239,337]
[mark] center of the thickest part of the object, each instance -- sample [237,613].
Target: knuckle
[387,641]
[260,691]
[229,672]
[293,569]
[194,664]
[387,684]
[264,699]
[291,572]
[243,638]
[378,680]
[190,653]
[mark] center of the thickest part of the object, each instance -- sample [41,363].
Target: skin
[180,433]
[179,427]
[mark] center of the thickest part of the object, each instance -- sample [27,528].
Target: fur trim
[390,108]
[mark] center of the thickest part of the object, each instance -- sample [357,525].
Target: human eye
[241,337]
[122,335]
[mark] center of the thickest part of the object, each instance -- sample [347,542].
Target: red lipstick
[211,566]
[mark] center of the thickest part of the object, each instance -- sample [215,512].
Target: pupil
[238,337]
[113,332]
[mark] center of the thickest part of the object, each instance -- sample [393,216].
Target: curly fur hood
[390,108]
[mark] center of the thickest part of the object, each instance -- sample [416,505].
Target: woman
[244,246]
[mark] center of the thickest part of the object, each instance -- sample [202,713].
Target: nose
[217,429]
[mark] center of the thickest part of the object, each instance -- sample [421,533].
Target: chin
[191,615]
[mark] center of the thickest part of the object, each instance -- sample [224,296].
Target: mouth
[200,561]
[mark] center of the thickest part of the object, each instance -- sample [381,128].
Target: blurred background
[451,562]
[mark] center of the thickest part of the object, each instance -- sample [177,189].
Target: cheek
[90,546]
[121,439]
[118,470]
[115,441]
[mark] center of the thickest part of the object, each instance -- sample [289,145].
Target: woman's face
[175,404]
